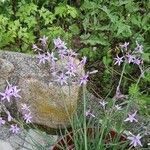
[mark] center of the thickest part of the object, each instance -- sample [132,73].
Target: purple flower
[34,47]
[130,58]
[15,91]
[62,53]
[27,117]
[42,58]
[62,79]
[70,67]
[118,94]
[88,113]
[103,104]
[59,43]
[131,117]
[14,128]
[119,60]
[135,140]
[139,48]
[2,122]
[43,40]
[137,61]
[50,57]
[7,94]
[83,61]
[125,45]
[84,79]
[25,108]
[71,53]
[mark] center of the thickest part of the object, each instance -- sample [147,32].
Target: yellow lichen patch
[53,112]
[50,105]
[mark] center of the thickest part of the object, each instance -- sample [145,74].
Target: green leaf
[87,52]
[72,11]
[136,20]
[123,29]
[147,76]
[74,29]
[93,40]
[30,21]
[48,16]
[61,10]
[133,89]
[26,10]
[107,60]
[146,57]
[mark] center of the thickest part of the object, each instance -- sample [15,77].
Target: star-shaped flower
[27,117]
[137,61]
[15,91]
[14,128]
[135,140]
[59,43]
[42,58]
[10,91]
[62,79]
[25,107]
[84,79]
[43,40]
[125,45]
[50,57]
[139,48]
[118,60]
[131,117]
[130,58]
[88,113]
[103,103]
[6,94]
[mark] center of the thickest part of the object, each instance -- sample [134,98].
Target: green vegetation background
[94,28]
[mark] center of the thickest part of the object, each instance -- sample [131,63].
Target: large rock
[50,104]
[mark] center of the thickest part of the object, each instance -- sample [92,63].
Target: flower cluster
[64,66]
[10,92]
[130,56]
[26,113]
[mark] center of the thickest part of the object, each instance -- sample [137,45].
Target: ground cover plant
[111,39]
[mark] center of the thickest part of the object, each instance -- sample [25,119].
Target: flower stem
[118,87]
[84,123]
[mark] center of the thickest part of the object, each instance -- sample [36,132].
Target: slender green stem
[85,127]
[121,75]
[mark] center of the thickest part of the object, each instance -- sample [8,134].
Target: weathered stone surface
[6,68]
[48,102]
[5,145]
[36,140]
[31,139]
